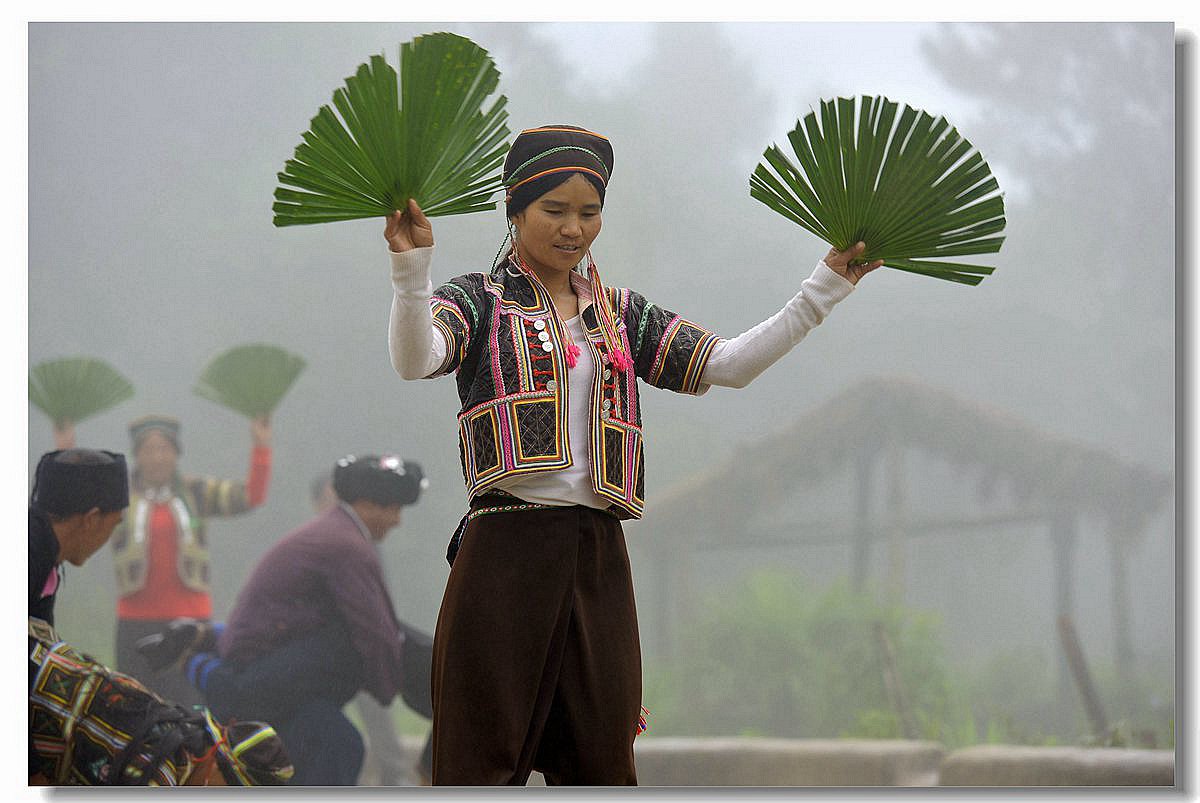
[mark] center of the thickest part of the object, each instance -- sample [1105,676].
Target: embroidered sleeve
[669,351]
[456,315]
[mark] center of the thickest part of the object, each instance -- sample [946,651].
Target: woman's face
[556,231]
[156,459]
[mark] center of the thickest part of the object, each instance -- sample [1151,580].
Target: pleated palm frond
[250,379]
[908,185]
[75,388]
[421,134]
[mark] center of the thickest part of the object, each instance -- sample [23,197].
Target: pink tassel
[572,355]
[621,360]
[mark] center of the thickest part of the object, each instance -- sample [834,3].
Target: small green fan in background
[71,389]
[250,379]
[421,134]
[908,185]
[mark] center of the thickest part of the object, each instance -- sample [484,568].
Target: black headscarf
[542,158]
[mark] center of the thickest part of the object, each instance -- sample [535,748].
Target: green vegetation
[777,659]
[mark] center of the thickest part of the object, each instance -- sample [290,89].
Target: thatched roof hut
[1002,471]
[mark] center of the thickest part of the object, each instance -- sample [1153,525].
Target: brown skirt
[536,659]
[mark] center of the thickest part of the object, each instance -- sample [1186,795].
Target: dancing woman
[537,663]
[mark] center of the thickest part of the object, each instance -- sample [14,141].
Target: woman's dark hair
[526,194]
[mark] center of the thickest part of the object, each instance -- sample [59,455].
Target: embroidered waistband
[483,511]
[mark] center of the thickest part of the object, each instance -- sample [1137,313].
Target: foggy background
[153,153]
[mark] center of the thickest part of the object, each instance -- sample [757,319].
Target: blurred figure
[385,754]
[160,553]
[313,626]
[78,499]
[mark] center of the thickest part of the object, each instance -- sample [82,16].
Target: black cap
[70,481]
[386,480]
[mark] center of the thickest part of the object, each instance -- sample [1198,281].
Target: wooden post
[894,684]
[1063,537]
[1121,532]
[1083,678]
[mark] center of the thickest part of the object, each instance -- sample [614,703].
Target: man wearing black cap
[89,725]
[78,499]
[313,625]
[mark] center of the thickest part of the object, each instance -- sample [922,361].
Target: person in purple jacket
[312,626]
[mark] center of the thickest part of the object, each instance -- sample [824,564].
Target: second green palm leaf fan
[250,379]
[908,185]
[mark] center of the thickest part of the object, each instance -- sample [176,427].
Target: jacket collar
[515,289]
[358,522]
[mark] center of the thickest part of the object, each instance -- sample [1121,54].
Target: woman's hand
[839,263]
[408,229]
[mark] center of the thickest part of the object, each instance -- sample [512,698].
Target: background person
[78,499]
[160,553]
[385,760]
[313,625]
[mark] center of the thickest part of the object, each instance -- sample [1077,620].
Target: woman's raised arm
[417,349]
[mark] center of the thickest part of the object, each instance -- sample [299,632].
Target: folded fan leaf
[421,134]
[76,388]
[250,379]
[908,185]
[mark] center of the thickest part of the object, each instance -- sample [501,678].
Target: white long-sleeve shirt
[418,349]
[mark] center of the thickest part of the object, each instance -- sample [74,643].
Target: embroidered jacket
[191,500]
[511,367]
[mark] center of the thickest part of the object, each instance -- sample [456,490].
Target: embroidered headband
[540,153]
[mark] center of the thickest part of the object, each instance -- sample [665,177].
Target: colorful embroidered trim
[559,149]
[565,130]
[574,168]
[484,511]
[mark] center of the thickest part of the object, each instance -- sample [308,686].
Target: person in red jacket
[160,552]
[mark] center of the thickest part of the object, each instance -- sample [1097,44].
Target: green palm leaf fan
[250,379]
[420,134]
[72,389]
[908,185]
